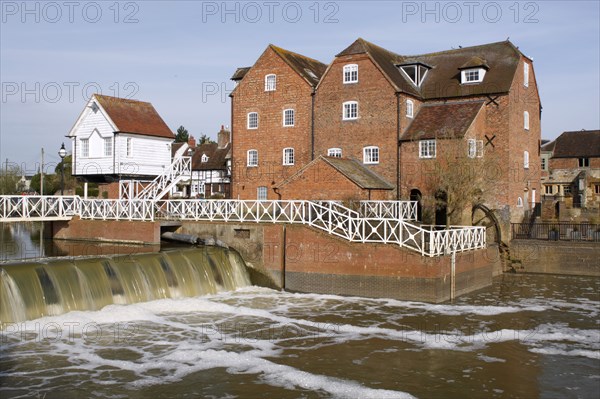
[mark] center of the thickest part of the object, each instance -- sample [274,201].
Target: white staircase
[180,169]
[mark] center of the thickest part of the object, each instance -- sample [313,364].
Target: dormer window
[474,75]
[204,158]
[473,70]
[415,72]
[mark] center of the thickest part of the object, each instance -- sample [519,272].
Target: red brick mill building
[373,124]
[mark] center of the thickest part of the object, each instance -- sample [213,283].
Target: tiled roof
[442,121]
[132,116]
[578,144]
[217,157]
[358,173]
[443,79]
[309,69]
[353,170]
[240,73]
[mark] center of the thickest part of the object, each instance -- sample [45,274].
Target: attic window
[474,75]
[204,158]
[351,73]
[95,107]
[270,82]
[416,73]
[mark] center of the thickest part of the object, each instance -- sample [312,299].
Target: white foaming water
[248,332]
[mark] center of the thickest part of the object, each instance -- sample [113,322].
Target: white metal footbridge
[385,222]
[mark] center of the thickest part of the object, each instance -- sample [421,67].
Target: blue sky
[179,55]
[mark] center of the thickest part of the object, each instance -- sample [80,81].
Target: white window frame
[525,74]
[108,147]
[270,82]
[549,189]
[371,155]
[288,156]
[334,152]
[85,148]
[427,149]
[466,76]
[347,110]
[350,73]
[252,158]
[248,126]
[410,108]
[475,148]
[289,115]
[525,120]
[261,193]
[519,202]
[129,147]
[204,158]
[526,159]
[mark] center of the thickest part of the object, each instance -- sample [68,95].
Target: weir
[29,290]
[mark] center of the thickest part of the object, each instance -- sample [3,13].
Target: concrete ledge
[121,231]
[556,257]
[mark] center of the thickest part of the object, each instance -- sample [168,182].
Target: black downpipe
[398,146]
[283,255]
[312,125]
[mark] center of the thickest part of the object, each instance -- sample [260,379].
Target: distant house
[117,139]
[211,169]
[571,170]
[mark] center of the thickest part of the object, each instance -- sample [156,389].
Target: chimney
[223,137]
[192,142]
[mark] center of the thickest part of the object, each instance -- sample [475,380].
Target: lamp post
[62,153]
[190,153]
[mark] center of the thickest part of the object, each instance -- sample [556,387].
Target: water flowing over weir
[29,290]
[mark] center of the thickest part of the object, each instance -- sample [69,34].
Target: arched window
[288,117]
[252,120]
[270,82]
[252,158]
[526,159]
[288,156]
[526,120]
[520,202]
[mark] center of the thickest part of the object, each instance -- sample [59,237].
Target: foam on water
[248,331]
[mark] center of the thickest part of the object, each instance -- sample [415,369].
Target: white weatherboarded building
[117,139]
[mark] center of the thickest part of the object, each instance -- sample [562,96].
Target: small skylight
[311,73]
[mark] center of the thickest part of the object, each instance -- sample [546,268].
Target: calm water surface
[524,337]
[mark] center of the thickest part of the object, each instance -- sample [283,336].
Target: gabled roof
[217,157]
[442,121]
[443,79]
[548,146]
[309,69]
[578,144]
[132,116]
[240,73]
[353,170]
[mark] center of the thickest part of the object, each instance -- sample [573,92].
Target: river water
[526,336]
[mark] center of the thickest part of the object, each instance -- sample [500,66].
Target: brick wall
[292,92]
[107,230]
[377,115]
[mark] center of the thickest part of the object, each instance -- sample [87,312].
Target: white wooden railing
[384,223]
